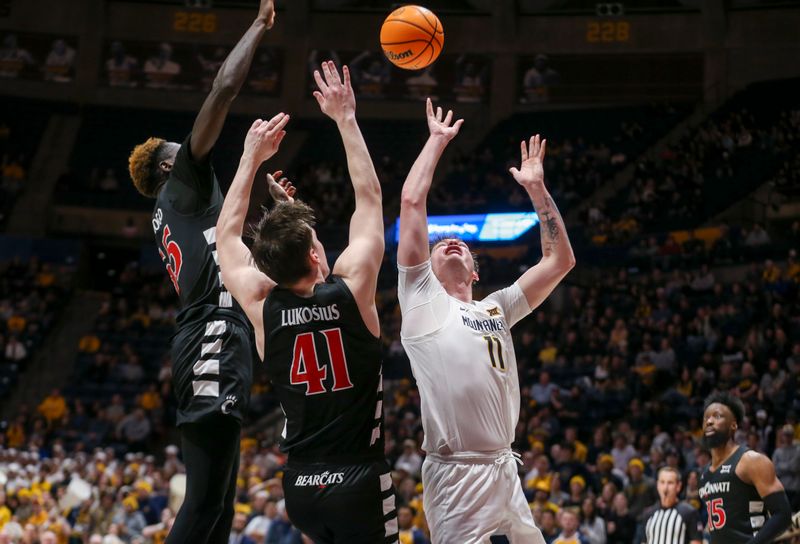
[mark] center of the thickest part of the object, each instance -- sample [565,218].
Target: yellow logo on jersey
[493,311]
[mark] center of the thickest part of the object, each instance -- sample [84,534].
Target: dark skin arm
[757,469]
[229,80]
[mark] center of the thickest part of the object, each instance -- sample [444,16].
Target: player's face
[719,424]
[668,487]
[452,253]
[168,155]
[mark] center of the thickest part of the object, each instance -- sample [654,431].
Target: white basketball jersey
[462,357]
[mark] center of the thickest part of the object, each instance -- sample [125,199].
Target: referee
[670,521]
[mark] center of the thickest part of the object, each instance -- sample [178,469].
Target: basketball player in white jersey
[462,354]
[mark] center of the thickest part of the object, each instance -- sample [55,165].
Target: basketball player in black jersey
[212,351]
[318,333]
[739,488]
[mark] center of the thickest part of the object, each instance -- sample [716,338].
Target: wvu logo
[493,311]
[230,400]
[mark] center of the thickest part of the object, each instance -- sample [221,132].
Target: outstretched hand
[264,138]
[531,170]
[266,12]
[282,189]
[335,95]
[441,127]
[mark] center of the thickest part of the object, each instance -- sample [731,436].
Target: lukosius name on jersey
[301,316]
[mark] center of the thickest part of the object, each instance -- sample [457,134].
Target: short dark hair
[442,237]
[734,404]
[281,241]
[143,166]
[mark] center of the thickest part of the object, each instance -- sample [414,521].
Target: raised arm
[413,247]
[228,82]
[248,285]
[359,263]
[557,256]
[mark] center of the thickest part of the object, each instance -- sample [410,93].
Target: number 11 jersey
[462,356]
[325,366]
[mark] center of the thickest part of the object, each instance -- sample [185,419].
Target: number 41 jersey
[325,366]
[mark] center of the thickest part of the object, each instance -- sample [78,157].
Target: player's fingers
[346,73]
[280,123]
[429,107]
[320,82]
[458,124]
[279,138]
[326,69]
[274,121]
[255,124]
[533,146]
[319,97]
[542,149]
[438,113]
[448,117]
[270,178]
[277,175]
[334,72]
[524,151]
[514,172]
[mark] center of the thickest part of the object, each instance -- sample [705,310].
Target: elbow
[225,88]
[410,199]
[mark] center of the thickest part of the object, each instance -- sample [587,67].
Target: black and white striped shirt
[676,525]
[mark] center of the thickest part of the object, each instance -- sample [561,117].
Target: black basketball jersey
[185,226]
[325,366]
[735,509]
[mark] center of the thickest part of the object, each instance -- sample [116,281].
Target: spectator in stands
[787,464]
[537,80]
[547,523]
[423,84]
[410,460]
[59,62]
[371,74]
[471,78]
[258,526]
[757,237]
[121,67]
[160,70]
[15,350]
[134,430]
[569,522]
[53,407]
[238,535]
[621,525]
[409,533]
[129,520]
[593,527]
[641,490]
[13,58]
[13,173]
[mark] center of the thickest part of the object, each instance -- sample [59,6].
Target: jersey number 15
[716,514]
[305,363]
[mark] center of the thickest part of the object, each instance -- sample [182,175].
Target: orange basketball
[412,37]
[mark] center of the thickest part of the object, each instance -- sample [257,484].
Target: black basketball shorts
[342,503]
[212,370]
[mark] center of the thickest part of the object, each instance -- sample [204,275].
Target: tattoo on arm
[550,226]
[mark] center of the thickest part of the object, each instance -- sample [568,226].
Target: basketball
[412,37]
